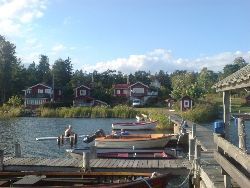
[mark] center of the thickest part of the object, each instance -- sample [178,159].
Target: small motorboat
[138,141]
[149,125]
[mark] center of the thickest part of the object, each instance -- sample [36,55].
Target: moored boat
[135,140]
[150,125]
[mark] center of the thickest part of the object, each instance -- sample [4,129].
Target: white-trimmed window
[138,90]
[186,104]
[40,91]
[48,91]
[83,92]
[28,91]
[125,91]
[118,91]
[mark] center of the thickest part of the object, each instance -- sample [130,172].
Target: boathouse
[82,96]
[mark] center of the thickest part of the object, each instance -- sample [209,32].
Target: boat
[150,125]
[85,179]
[122,153]
[138,141]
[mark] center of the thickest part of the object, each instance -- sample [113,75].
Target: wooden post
[58,140]
[1,160]
[62,139]
[242,134]
[197,165]
[75,138]
[17,150]
[71,140]
[85,161]
[191,148]
[93,152]
[193,130]
[226,113]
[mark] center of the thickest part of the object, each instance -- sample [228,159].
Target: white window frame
[118,91]
[138,90]
[83,92]
[186,103]
[48,91]
[40,91]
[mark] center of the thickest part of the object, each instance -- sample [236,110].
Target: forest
[15,77]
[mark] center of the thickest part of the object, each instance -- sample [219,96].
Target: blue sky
[129,35]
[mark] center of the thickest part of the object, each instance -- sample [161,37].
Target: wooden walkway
[210,170]
[176,166]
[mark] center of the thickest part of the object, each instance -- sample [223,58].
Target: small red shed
[186,103]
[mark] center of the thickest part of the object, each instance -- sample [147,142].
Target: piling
[86,161]
[242,135]
[17,150]
[193,130]
[191,148]
[58,140]
[197,157]
[62,139]
[71,140]
[75,138]
[93,154]
[1,160]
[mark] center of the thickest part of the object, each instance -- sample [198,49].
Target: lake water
[25,131]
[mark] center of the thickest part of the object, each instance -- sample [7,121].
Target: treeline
[14,77]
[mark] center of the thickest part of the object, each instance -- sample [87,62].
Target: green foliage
[120,111]
[15,101]
[7,111]
[201,113]
[163,121]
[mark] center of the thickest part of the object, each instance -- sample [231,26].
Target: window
[83,92]
[186,103]
[118,91]
[138,90]
[125,92]
[48,91]
[40,90]
[28,91]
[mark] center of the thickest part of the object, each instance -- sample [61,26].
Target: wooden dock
[175,166]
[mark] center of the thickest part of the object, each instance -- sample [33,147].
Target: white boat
[150,125]
[137,141]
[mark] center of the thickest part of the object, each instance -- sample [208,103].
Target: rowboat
[150,125]
[122,153]
[134,140]
[85,179]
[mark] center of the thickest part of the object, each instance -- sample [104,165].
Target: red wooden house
[121,90]
[138,90]
[186,103]
[36,95]
[82,96]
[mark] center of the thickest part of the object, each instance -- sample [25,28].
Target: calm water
[26,130]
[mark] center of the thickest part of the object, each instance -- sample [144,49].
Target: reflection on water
[26,130]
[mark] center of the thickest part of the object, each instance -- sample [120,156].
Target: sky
[129,35]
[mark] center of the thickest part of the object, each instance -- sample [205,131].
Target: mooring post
[58,140]
[93,152]
[1,160]
[62,139]
[242,134]
[191,148]
[197,158]
[71,140]
[75,138]
[85,161]
[17,150]
[193,130]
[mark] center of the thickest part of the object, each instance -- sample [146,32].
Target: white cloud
[16,14]
[58,48]
[161,59]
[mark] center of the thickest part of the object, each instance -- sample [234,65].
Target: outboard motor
[98,133]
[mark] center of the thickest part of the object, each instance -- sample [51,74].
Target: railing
[234,161]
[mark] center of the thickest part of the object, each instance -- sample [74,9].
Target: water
[25,130]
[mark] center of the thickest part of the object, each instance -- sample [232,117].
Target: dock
[175,166]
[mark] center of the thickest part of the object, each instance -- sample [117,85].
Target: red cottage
[138,90]
[82,96]
[36,95]
[186,103]
[121,90]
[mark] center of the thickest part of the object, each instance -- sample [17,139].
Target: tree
[7,61]
[62,71]
[238,63]
[206,79]
[43,70]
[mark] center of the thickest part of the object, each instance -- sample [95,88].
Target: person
[68,132]
[123,132]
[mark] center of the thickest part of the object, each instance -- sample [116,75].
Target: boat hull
[134,126]
[131,141]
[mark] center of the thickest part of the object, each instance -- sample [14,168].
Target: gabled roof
[121,86]
[82,86]
[38,85]
[239,79]
[138,83]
